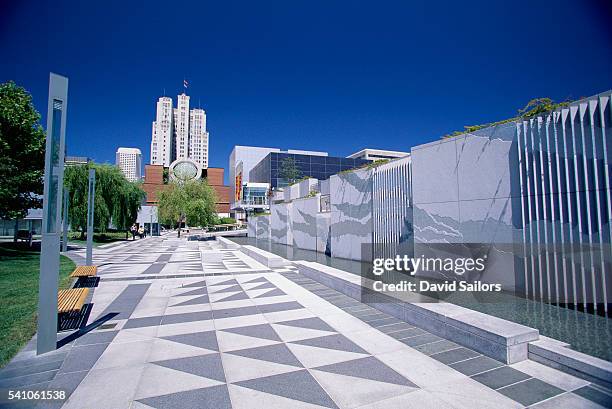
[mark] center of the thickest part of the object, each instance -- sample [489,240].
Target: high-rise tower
[179,133]
[129,161]
[162,138]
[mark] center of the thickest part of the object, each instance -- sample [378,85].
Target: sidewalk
[192,325]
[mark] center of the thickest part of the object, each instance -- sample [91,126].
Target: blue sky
[330,75]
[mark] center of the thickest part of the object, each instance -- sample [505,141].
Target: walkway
[191,325]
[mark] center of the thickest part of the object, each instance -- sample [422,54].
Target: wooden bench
[24,235]
[84,271]
[71,300]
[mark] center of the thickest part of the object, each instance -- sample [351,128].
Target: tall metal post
[91,194]
[52,205]
[65,232]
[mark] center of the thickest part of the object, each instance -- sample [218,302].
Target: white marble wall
[263,227]
[304,223]
[252,227]
[351,213]
[308,185]
[323,233]
[462,190]
[281,223]
[291,192]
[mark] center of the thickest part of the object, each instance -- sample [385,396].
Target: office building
[377,154]
[129,161]
[179,133]
[321,167]
[241,161]
[255,196]
[76,160]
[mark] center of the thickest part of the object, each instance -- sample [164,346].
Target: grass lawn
[98,238]
[19,269]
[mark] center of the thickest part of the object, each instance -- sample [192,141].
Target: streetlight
[52,205]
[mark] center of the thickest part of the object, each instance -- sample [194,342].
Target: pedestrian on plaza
[133,231]
[141,232]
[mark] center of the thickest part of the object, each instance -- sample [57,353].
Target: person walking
[133,231]
[141,232]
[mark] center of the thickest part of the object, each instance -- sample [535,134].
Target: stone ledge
[227,244]
[267,259]
[557,355]
[497,338]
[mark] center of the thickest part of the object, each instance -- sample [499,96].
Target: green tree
[22,153]
[117,200]
[127,206]
[192,202]
[289,171]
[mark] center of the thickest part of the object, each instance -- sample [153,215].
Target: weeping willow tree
[192,202]
[117,200]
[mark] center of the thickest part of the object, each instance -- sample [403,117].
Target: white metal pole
[90,216]
[52,205]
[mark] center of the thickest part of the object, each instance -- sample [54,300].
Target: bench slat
[84,271]
[71,300]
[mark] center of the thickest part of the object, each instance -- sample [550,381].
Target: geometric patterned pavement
[196,326]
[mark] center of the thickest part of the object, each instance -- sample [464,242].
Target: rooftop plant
[535,107]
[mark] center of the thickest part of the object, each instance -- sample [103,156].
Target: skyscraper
[179,133]
[181,127]
[129,161]
[198,137]
[162,151]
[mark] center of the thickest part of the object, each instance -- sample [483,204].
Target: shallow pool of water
[588,333]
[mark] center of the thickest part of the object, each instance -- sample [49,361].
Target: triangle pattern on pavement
[310,323]
[312,357]
[292,334]
[229,289]
[367,368]
[263,285]
[213,397]
[165,349]
[194,301]
[298,385]
[233,342]
[264,400]
[350,392]
[206,339]
[250,286]
[257,280]
[264,331]
[257,293]
[197,291]
[231,281]
[239,368]
[160,380]
[219,288]
[214,297]
[207,366]
[273,293]
[337,341]
[198,284]
[233,297]
[277,353]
